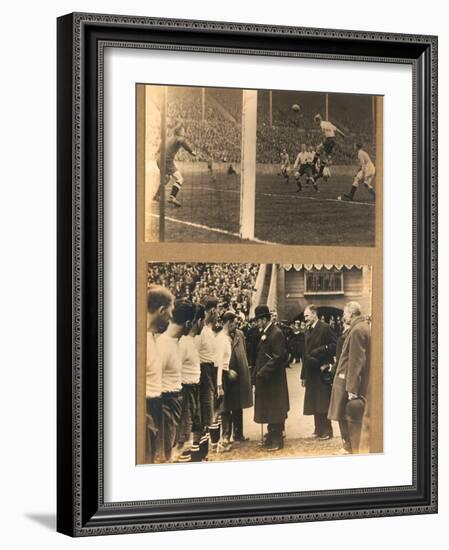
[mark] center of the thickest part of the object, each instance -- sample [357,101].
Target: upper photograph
[227,165]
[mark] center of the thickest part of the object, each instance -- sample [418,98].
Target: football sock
[352,191]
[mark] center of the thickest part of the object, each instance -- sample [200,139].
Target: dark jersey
[174,144]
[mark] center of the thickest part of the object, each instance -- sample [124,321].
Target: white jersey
[207,345]
[153,372]
[190,358]
[224,351]
[302,158]
[170,354]
[310,157]
[366,165]
[328,128]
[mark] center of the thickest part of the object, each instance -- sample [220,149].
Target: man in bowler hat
[271,392]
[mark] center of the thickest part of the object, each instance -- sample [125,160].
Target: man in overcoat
[350,387]
[237,389]
[271,391]
[319,350]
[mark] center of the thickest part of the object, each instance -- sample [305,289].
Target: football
[296,108]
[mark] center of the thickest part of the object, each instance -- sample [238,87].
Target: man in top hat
[319,351]
[350,387]
[271,392]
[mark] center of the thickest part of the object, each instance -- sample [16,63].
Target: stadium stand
[231,284]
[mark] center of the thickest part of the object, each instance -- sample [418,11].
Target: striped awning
[319,267]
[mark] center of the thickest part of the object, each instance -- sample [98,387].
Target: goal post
[162,156]
[248,165]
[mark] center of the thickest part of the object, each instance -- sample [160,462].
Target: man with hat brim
[271,391]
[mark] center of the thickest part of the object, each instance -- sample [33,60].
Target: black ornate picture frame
[81,509]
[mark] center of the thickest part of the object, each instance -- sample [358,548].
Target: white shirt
[170,354]
[328,128]
[190,359]
[207,345]
[223,353]
[366,163]
[153,371]
[302,158]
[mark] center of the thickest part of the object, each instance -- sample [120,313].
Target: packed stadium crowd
[231,101]
[270,140]
[231,284]
[217,137]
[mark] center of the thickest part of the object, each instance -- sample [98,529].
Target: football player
[304,166]
[329,132]
[174,144]
[365,175]
[231,170]
[285,165]
[210,169]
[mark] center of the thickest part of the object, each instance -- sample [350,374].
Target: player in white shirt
[365,175]
[303,165]
[160,307]
[207,351]
[285,165]
[170,353]
[189,430]
[329,131]
[224,352]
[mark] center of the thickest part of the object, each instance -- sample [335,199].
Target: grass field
[210,212]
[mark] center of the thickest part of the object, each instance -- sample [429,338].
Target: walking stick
[261,434]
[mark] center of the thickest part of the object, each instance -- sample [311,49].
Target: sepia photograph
[237,288]
[228,165]
[250,361]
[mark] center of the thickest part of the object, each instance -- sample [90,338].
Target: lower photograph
[259,362]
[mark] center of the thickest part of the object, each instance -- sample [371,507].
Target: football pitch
[210,211]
